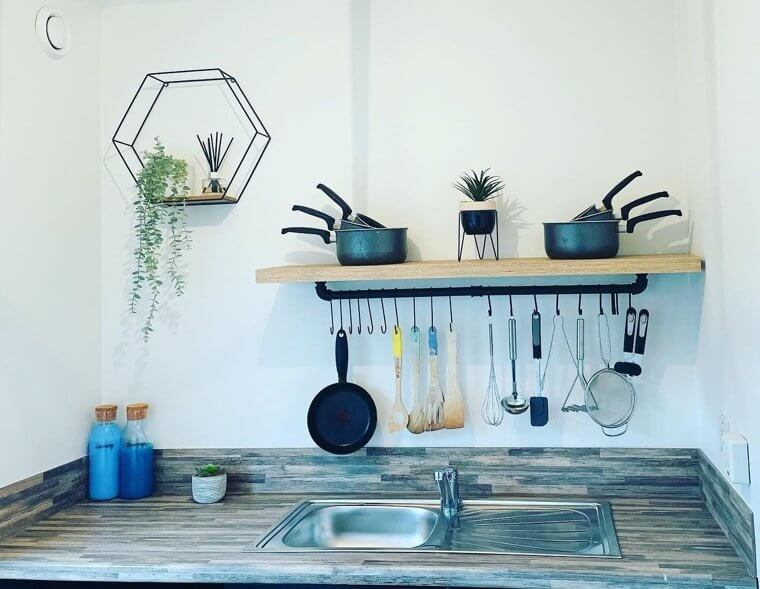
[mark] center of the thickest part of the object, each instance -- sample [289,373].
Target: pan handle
[330,221]
[607,200]
[625,210]
[333,196]
[631,224]
[341,355]
[325,235]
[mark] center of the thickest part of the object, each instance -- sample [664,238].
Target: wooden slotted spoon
[416,423]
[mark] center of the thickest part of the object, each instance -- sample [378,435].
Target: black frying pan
[342,417]
[591,239]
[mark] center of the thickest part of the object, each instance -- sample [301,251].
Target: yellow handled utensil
[398,417]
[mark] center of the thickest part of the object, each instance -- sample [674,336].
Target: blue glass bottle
[103,450]
[136,456]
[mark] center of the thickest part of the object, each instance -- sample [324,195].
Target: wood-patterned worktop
[665,542]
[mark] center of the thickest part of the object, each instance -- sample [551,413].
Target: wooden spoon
[453,408]
[434,400]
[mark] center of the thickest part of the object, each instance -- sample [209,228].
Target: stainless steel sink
[556,528]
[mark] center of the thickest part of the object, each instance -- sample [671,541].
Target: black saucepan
[591,239]
[363,247]
[625,210]
[607,200]
[342,417]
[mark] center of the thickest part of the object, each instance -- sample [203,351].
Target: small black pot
[478,222]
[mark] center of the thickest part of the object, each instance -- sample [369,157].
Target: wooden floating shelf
[211,198]
[505,268]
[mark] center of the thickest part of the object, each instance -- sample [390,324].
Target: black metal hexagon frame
[125,146]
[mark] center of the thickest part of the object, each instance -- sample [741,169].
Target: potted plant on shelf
[209,483]
[160,219]
[478,214]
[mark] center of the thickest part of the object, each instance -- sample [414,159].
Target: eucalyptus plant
[159,225]
[479,187]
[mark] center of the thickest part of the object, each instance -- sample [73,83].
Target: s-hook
[490,309]
[371,326]
[395,307]
[341,314]
[451,316]
[350,318]
[556,306]
[511,313]
[580,306]
[431,312]
[384,326]
[359,310]
[332,319]
[414,312]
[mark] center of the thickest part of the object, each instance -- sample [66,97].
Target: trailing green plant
[479,187]
[209,470]
[158,225]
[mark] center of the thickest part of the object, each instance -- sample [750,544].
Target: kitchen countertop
[665,542]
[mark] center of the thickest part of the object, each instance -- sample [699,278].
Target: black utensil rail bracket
[633,288]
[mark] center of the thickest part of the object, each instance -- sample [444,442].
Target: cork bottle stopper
[105,413]
[137,411]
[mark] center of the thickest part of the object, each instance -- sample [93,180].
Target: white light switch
[737,458]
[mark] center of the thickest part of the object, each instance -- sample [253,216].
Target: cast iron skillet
[342,417]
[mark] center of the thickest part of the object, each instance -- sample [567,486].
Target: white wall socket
[737,457]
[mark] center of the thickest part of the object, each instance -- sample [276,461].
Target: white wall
[728,346]
[387,102]
[50,239]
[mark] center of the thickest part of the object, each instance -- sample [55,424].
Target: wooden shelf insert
[209,198]
[514,267]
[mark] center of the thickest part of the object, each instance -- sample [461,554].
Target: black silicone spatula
[539,405]
[628,367]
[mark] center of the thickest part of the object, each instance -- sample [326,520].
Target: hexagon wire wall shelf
[143,105]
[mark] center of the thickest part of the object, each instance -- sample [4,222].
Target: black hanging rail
[633,288]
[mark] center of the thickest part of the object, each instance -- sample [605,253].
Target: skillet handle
[341,355]
[333,196]
[631,224]
[607,200]
[325,235]
[625,210]
[330,221]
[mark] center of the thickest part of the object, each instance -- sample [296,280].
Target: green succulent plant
[479,187]
[157,224]
[209,470]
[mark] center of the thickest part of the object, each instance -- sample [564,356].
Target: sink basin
[550,528]
[361,527]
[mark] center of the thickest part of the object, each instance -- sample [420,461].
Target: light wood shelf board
[514,268]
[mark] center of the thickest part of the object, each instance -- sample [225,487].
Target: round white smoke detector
[53,32]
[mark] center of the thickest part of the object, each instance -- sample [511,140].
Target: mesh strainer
[610,398]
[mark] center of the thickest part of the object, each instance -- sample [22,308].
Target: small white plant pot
[209,489]
[478,205]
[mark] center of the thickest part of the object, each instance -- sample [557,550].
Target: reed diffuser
[212,151]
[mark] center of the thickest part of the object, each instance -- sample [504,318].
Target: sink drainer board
[548,528]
